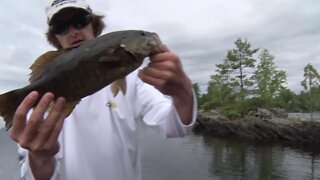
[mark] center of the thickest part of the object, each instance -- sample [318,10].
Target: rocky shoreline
[262,125]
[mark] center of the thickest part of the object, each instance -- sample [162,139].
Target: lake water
[8,157]
[200,157]
[203,158]
[305,116]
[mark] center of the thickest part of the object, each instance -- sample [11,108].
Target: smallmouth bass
[82,71]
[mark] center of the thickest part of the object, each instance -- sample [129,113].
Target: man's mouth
[77,43]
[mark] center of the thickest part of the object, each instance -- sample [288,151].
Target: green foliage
[311,84]
[234,91]
[235,110]
[317,98]
[311,78]
[230,83]
[269,80]
[288,100]
[197,91]
[238,60]
[218,93]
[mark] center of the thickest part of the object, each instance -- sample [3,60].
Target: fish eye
[142,33]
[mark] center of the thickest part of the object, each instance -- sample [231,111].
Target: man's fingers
[48,126]
[39,134]
[19,119]
[153,72]
[53,116]
[53,138]
[60,105]
[36,117]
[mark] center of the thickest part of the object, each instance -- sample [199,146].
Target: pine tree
[311,84]
[239,60]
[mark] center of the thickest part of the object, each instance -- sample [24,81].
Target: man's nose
[73,30]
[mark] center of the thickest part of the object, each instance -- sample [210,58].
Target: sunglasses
[78,22]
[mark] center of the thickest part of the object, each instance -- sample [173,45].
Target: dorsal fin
[39,65]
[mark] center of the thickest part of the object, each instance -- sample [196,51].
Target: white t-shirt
[99,140]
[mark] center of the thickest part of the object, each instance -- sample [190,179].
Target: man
[99,139]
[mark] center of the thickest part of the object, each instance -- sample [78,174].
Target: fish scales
[80,72]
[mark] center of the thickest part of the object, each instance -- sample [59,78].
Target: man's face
[73,27]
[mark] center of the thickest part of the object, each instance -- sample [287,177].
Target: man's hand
[39,135]
[166,74]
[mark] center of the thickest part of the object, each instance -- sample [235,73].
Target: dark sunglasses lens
[59,28]
[81,21]
[78,22]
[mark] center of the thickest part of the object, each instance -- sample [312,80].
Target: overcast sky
[199,31]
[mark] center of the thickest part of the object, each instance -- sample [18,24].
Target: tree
[310,84]
[269,79]
[228,86]
[239,60]
[317,98]
[219,92]
[287,100]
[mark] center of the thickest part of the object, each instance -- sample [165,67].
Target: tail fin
[8,104]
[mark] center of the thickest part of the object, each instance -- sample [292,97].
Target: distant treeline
[240,84]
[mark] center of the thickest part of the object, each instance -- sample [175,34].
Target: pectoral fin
[69,108]
[119,85]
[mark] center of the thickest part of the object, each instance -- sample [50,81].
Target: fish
[79,72]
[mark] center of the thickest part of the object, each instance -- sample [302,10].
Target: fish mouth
[136,58]
[155,43]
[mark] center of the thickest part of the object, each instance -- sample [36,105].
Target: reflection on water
[198,157]
[242,160]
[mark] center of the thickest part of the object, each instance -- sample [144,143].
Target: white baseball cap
[54,6]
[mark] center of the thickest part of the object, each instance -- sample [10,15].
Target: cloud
[200,32]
